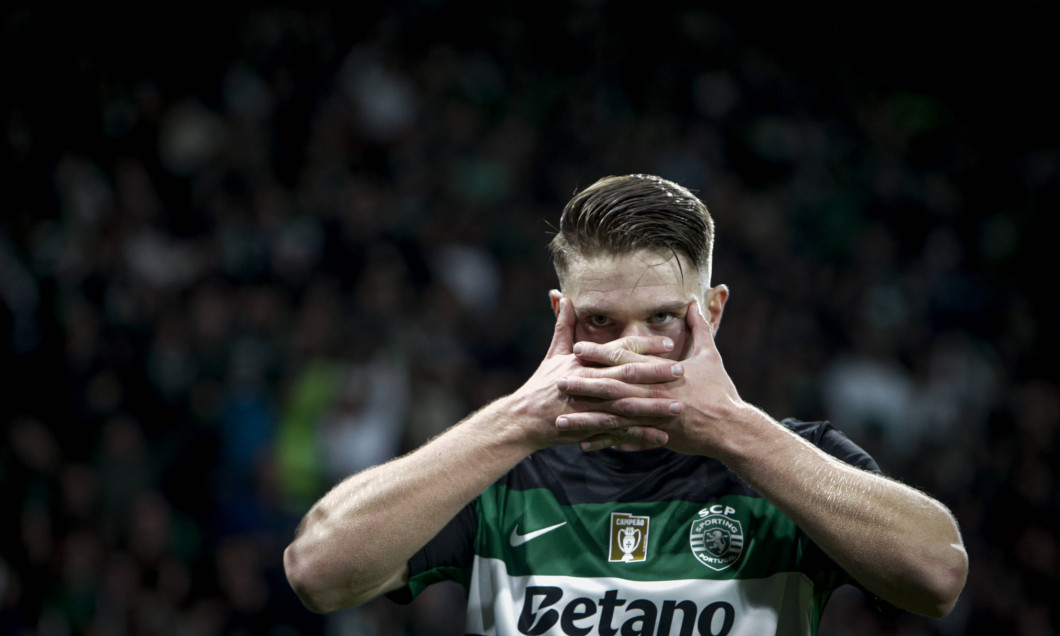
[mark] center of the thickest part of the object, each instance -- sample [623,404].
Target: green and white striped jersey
[641,543]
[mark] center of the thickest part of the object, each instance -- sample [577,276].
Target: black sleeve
[832,441]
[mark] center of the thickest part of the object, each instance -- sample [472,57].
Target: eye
[662,318]
[598,321]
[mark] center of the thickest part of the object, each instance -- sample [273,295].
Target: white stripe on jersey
[502,605]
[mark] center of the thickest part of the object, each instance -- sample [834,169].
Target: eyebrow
[595,310]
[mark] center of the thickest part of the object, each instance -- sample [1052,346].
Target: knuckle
[621,406]
[627,372]
[614,356]
[611,390]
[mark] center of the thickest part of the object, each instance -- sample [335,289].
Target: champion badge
[716,537]
[629,538]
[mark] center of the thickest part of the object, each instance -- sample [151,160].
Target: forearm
[899,543]
[355,542]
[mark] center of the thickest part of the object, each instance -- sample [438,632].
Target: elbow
[943,572]
[325,585]
[926,583]
[937,607]
[951,587]
[304,575]
[944,585]
[300,577]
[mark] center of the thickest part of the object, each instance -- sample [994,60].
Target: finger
[599,442]
[626,407]
[563,335]
[607,389]
[624,350]
[635,373]
[610,416]
[643,407]
[632,438]
[701,329]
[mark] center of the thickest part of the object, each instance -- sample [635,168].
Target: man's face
[644,293]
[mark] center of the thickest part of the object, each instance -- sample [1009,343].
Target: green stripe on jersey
[733,537]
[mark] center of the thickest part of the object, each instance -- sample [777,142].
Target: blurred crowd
[243,260]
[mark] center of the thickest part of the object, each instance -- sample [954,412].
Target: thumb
[698,325]
[563,336]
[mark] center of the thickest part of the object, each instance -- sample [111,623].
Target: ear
[554,295]
[715,305]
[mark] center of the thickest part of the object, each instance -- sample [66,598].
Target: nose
[635,328]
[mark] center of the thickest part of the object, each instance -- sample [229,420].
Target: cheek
[586,334]
[681,340]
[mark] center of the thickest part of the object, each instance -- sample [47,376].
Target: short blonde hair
[617,215]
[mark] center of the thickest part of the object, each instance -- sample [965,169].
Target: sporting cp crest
[629,538]
[716,537]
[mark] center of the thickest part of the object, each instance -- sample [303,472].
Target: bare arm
[897,542]
[354,544]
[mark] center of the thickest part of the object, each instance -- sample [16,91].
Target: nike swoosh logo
[519,539]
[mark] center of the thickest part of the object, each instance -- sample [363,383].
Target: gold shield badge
[629,538]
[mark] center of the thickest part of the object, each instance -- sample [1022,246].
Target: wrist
[511,422]
[750,436]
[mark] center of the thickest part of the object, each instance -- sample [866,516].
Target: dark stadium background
[237,236]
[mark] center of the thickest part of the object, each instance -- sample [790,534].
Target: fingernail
[667,343]
[660,438]
[578,347]
[677,370]
[562,384]
[563,423]
[675,408]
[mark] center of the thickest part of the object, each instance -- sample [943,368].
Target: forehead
[641,276]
